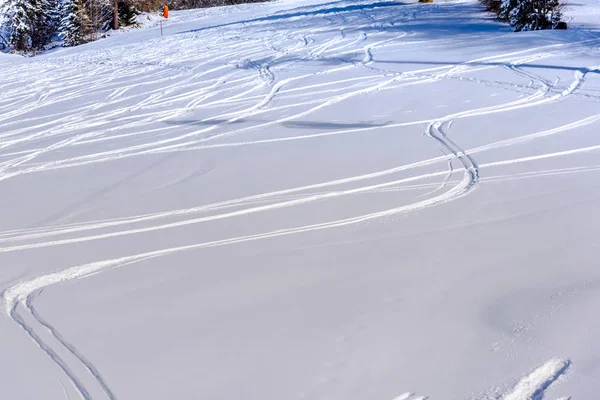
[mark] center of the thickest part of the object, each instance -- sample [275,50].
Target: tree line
[32,25]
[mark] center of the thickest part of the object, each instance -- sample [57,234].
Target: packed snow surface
[303,199]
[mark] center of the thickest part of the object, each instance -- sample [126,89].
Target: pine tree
[74,27]
[519,14]
[505,9]
[29,23]
[44,26]
[52,17]
[127,14]
[19,20]
[531,15]
[553,12]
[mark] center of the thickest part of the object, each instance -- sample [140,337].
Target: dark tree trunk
[115,14]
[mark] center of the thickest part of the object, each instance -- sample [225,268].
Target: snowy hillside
[345,200]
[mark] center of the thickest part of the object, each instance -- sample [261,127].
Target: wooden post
[115,14]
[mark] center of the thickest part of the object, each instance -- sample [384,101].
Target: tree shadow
[204,122]
[95,195]
[288,124]
[331,125]
[495,64]
[317,12]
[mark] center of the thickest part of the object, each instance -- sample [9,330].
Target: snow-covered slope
[304,200]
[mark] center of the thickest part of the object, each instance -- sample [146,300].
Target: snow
[304,200]
[532,386]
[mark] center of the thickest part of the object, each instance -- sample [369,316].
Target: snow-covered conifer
[127,14]
[531,15]
[19,20]
[29,23]
[75,24]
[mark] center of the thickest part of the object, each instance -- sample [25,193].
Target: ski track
[238,80]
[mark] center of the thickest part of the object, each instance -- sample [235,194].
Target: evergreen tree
[74,27]
[53,16]
[127,14]
[44,24]
[553,11]
[505,9]
[29,23]
[530,15]
[19,16]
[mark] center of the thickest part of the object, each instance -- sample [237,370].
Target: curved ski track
[238,79]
